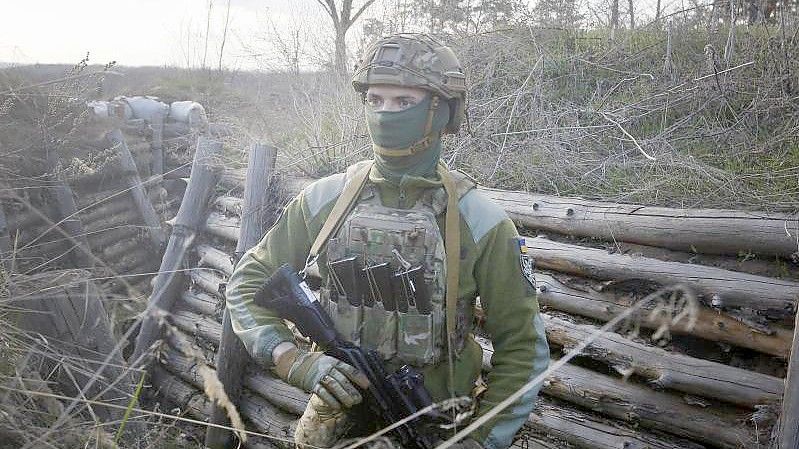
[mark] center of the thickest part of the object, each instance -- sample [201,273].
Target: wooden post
[232,357]
[134,183]
[789,419]
[66,214]
[188,222]
[157,123]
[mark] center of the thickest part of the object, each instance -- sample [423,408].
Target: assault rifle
[390,396]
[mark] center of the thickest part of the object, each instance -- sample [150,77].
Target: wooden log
[287,398]
[118,204]
[710,231]
[145,207]
[264,416]
[232,357]
[188,399]
[664,369]
[222,226]
[198,326]
[767,266]
[103,238]
[66,308]
[208,281]
[268,419]
[190,217]
[229,205]
[127,219]
[718,426]
[215,258]
[710,325]
[707,231]
[584,431]
[201,303]
[122,248]
[788,433]
[768,296]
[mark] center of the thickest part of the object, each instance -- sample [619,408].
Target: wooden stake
[788,437]
[157,123]
[134,183]
[190,217]
[232,357]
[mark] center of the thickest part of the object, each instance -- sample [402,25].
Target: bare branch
[361,10]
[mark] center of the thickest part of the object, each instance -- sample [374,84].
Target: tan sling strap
[452,246]
[344,203]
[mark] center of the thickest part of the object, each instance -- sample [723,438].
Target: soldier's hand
[334,381]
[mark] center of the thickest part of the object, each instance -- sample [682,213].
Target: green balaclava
[399,130]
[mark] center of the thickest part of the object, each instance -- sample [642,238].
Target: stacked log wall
[716,384]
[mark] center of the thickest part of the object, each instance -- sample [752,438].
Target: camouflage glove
[334,381]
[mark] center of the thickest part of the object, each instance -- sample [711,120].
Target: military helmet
[415,60]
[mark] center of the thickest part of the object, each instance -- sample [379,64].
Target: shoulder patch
[480,213]
[320,193]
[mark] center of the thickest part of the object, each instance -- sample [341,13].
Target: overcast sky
[157,32]
[138,32]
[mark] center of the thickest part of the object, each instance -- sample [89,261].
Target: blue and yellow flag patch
[525,261]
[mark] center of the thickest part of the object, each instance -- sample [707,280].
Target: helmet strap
[419,145]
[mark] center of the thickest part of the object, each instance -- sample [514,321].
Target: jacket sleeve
[286,242]
[517,333]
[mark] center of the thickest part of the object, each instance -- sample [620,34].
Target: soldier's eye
[405,103]
[374,101]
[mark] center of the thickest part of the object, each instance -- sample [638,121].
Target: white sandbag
[142,107]
[98,108]
[189,112]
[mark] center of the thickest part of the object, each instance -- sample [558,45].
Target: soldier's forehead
[395,90]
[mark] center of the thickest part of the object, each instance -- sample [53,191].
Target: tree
[343,18]
[561,14]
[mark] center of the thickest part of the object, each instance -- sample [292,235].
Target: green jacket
[490,269]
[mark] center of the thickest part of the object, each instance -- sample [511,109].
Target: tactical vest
[387,277]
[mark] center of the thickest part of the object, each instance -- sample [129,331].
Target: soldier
[390,281]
